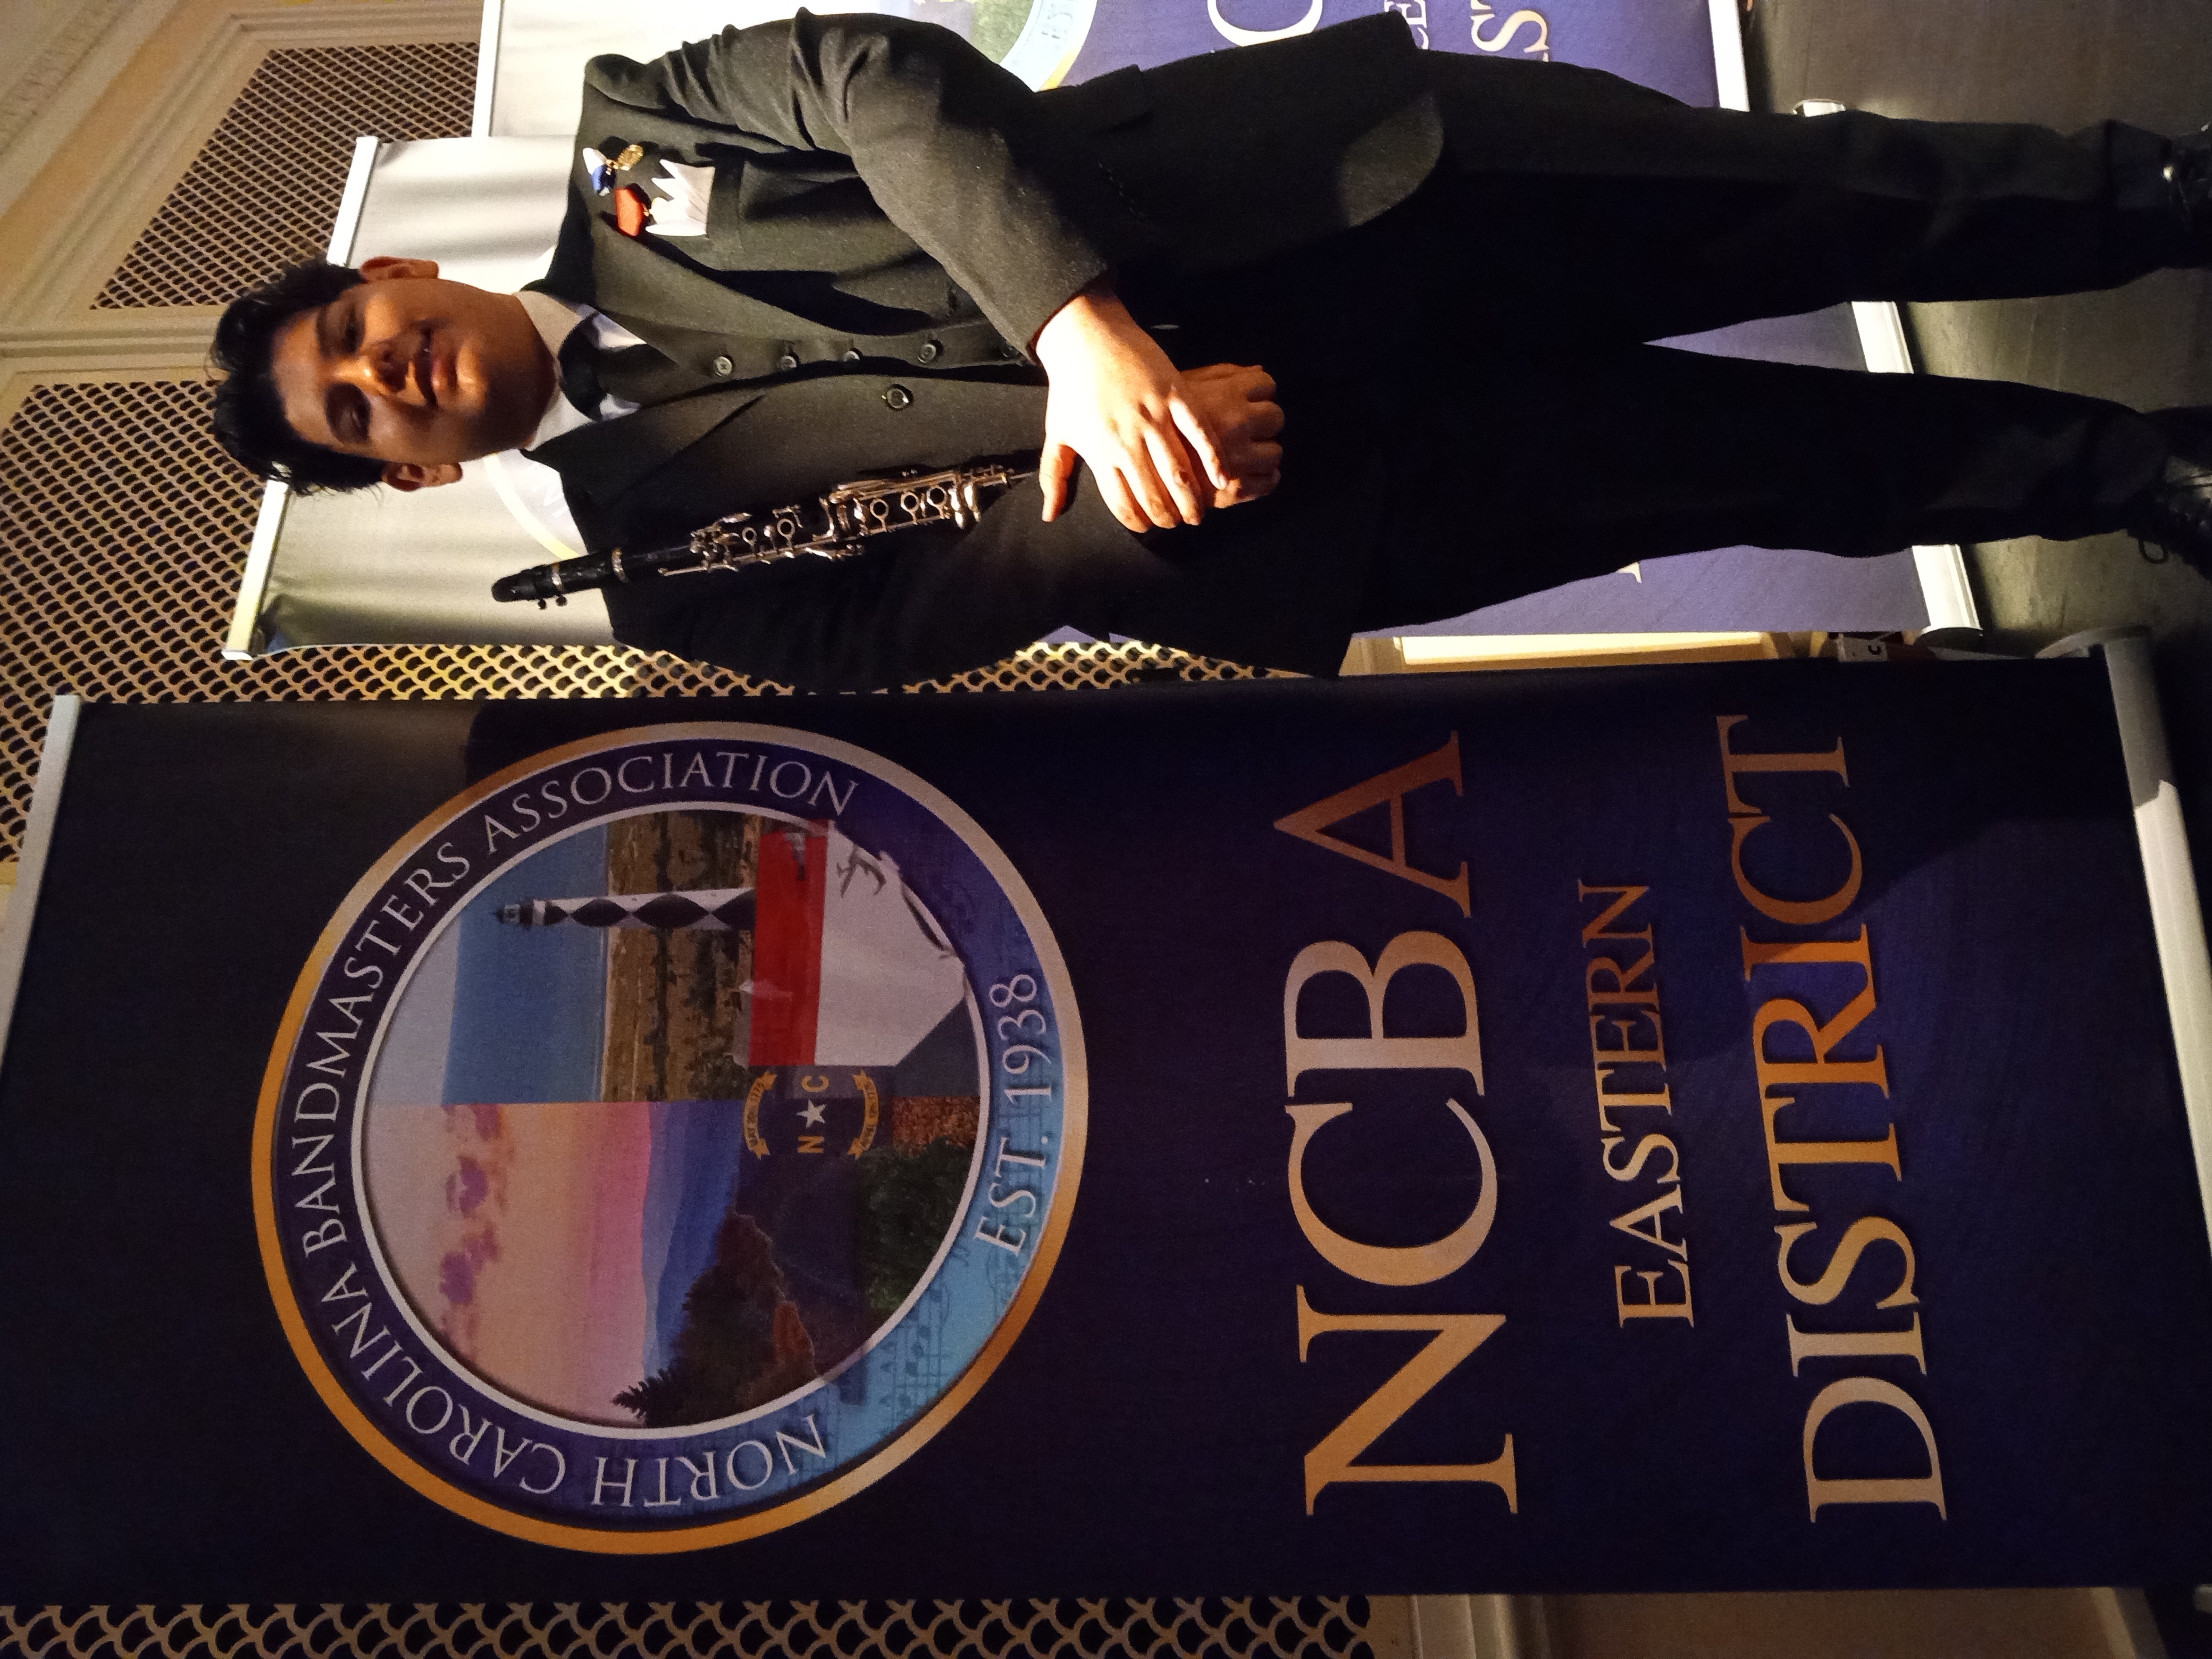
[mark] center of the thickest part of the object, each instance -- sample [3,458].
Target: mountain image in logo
[674,1117]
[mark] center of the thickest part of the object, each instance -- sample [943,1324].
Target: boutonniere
[602,171]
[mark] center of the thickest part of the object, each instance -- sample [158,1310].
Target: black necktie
[641,374]
[579,370]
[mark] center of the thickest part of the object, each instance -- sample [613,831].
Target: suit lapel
[662,300]
[648,289]
[570,276]
[610,458]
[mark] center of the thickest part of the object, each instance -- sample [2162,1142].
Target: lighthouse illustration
[709,909]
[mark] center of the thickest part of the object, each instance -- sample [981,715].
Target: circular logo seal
[668,1135]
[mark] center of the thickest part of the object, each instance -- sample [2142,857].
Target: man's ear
[384,267]
[414,475]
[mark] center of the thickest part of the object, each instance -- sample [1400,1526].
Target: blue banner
[1694,1129]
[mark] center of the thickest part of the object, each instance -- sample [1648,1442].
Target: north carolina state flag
[847,969]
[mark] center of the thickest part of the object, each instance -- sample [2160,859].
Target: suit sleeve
[956,151]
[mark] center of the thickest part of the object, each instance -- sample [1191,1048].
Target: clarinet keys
[833,526]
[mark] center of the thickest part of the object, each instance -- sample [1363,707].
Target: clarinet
[833,526]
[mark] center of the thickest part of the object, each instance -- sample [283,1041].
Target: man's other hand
[1238,404]
[1115,400]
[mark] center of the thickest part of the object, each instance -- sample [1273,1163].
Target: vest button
[898,397]
[928,352]
[787,362]
[852,354]
[721,366]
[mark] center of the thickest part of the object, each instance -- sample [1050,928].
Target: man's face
[413,371]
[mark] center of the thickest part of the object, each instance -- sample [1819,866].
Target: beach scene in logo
[674,1117]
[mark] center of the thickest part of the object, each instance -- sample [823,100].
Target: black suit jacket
[893,218]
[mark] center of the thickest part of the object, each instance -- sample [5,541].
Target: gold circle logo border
[1074,1129]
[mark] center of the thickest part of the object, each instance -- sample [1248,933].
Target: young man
[834,247]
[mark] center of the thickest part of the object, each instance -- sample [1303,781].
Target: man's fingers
[1122,504]
[1152,499]
[1265,420]
[1250,487]
[1171,463]
[1055,468]
[1194,427]
[1141,472]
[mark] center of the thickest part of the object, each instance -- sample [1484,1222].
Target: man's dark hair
[249,418]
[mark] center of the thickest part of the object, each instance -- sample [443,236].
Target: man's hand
[1115,400]
[1237,404]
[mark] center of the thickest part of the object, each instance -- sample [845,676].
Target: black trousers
[1474,410]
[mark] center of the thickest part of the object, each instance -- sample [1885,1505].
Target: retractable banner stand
[1695,1128]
